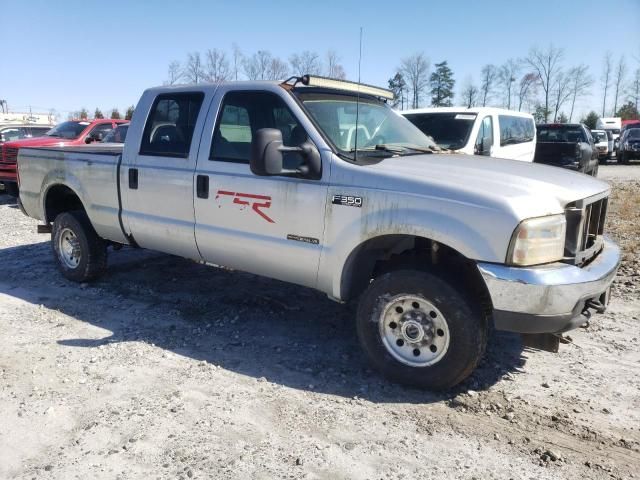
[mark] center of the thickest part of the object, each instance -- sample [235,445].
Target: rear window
[514,130]
[561,133]
[169,128]
[448,130]
[599,137]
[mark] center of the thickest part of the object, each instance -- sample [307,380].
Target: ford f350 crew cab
[318,182]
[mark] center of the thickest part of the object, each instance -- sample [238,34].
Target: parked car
[11,132]
[613,125]
[493,132]
[75,132]
[601,141]
[18,131]
[262,177]
[567,145]
[629,145]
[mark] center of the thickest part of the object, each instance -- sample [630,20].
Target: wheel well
[60,199]
[392,252]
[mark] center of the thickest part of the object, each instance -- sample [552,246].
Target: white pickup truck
[320,183]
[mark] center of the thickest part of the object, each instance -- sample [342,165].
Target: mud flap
[549,342]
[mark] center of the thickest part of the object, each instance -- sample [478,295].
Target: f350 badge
[347,200]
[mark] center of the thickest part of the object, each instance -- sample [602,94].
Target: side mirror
[267,156]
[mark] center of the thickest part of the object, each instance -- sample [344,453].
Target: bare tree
[546,65]
[237,60]
[526,88]
[489,77]
[278,69]
[217,69]
[469,93]
[415,69]
[507,74]
[256,67]
[634,88]
[606,79]
[174,73]
[579,84]
[621,73]
[561,93]
[306,62]
[333,68]
[193,68]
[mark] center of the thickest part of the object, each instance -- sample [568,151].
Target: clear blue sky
[72,54]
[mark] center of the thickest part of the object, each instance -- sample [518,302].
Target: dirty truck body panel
[188,182]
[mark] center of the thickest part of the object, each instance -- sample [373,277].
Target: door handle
[133,178]
[202,186]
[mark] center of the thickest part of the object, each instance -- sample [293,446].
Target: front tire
[418,330]
[81,255]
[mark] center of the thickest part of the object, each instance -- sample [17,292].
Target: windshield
[377,130]
[634,133]
[561,133]
[117,135]
[67,130]
[448,130]
[599,136]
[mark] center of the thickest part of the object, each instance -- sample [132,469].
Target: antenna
[355,146]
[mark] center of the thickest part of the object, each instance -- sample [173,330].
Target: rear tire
[418,330]
[81,255]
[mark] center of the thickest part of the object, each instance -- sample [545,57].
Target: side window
[484,140]
[169,128]
[99,131]
[245,112]
[514,130]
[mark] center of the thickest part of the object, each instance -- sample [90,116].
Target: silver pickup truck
[320,183]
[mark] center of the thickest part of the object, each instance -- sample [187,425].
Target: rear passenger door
[157,182]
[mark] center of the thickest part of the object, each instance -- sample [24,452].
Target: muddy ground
[169,369]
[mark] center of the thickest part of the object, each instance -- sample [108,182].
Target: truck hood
[526,188]
[41,142]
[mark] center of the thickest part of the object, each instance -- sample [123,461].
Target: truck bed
[552,153]
[92,171]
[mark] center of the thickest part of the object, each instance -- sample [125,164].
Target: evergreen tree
[98,114]
[115,114]
[590,120]
[627,111]
[441,83]
[129,114]
[397,85]
[83,115]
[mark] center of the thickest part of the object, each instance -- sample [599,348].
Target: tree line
[216,65]
[541,82]
[83,114]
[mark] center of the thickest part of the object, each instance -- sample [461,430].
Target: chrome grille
[585,227]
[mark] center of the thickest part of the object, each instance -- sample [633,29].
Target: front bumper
[549,298]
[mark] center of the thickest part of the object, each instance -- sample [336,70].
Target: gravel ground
[169,369]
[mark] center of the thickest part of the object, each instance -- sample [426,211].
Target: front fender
[461,232]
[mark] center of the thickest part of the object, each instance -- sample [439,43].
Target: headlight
[538,240]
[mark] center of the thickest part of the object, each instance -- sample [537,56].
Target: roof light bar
[315,81]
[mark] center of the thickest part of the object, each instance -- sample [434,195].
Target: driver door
[271,226]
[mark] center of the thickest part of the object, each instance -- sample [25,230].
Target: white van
[495,132]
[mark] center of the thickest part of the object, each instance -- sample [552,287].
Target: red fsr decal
[257,202]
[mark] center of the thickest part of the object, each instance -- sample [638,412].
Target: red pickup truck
[74,132]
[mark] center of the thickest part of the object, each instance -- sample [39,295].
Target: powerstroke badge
[347,200]
[298,238]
